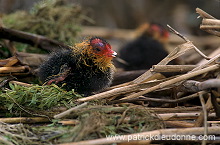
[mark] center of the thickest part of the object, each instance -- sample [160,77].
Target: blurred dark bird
[87,67]
[146,50]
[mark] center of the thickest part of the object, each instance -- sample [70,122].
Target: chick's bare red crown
[102,47]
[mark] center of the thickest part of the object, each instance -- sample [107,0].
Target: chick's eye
[97,49]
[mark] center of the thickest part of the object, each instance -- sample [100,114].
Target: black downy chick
[146,50]
[86,68]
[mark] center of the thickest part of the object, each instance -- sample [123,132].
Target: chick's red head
[101,48]
[158,32]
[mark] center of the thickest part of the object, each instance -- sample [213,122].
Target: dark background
[129,14]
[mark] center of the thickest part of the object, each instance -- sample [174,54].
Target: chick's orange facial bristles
[103,53]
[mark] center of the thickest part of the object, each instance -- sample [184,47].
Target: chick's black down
[84,78]
[142,53]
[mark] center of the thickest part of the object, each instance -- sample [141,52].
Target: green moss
[55,19]
[36,98]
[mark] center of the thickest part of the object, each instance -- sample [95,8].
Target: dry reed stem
[203,14]
[178,34]
[210,27]
[183,99]
[195,86]
[21,83]
[211,22]
[32,39]
[187,40]
[201,119]
[175,80]
[67,112]
[204,117]
[211,61]
[215,103]
[178,51]
[13,69]
[183,116]
[178,124]
[214,32]
[119,91]
[9,61]
[208,20]
[175,110]
[173,68]
[25,120]
[213,54]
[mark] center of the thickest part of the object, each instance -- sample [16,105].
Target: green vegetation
[55,19]
[36,99]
